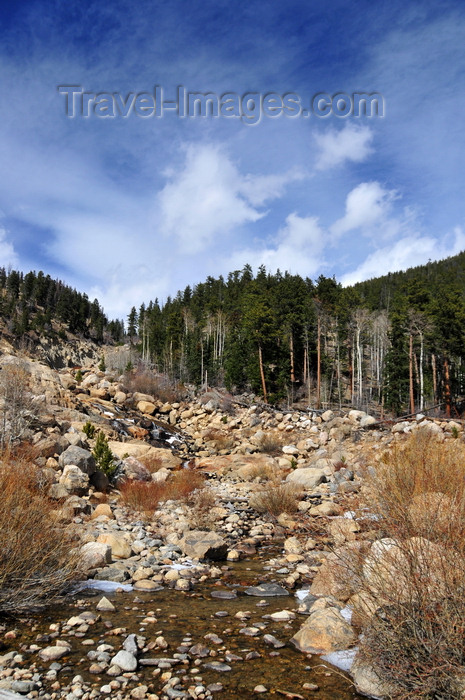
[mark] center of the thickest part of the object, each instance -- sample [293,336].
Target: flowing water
[184,619]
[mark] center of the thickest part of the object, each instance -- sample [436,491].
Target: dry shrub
[146,381]
[36,564]
[218,400]
[264,472]
[277,497]
[412,584]
[18,405]
[271,444]
[182,484]
[202,501]
[221,440]
[151,462]
[145,496]
[142,496]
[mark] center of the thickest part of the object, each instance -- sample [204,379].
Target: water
[183,619]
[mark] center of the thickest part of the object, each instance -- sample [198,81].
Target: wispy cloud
[336,146]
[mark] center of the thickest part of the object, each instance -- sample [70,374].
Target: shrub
[36,564]
[221,440]
[151,462]
[412,610]
[101,365]
[145,497]
[271,444]
[18,407]
[78,376]
[103,455]
[201,502]
[89,429]
[276,498]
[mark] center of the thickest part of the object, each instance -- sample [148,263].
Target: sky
[127,200]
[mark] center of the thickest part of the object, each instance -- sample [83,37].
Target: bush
[18,407]
[145,497]
[103,455]
[89,430]
[35,561]
[412,588]
[159,386]
[276,498]
[271,444]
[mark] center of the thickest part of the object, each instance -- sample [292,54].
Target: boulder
[120,547]
[324,631]
[367,682]
[146,407]
[78,457]
[74,480]
[132,469]
[308,477]
[204,545]
[95,555]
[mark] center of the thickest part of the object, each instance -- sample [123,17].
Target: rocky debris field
[232,551]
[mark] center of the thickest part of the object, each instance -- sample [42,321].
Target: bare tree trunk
[262,374]
[410,374]
[422,398]
[291,353]
[318,367]
[435,378]
[447,392]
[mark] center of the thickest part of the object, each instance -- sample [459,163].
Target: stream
[207,617]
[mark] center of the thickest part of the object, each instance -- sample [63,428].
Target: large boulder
[204,545]
[324,631]
[308,477]
[120,547]
[132,469]
[78,457]
[95,555]
[368,682]
[74,480]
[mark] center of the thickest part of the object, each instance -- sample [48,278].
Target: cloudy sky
[129,208]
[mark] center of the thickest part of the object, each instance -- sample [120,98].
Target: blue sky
[129,209]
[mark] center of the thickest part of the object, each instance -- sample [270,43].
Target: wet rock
[53,653]
[204,545]
[111,573]
[217,666]
[266,590]
[104,605]
[147,585]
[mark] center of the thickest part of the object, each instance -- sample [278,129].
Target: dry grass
[146,496]
[412,587]
[151,462]
[35,561]
[276,497]
[201,502]
[271,444]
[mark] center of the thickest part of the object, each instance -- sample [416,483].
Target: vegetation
[89,429]
[36,564]
[18,406]
[103,455]
[395,342]
[276,497]
[145,496]
[411,604]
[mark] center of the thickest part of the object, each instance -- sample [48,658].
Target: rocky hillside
[247,453]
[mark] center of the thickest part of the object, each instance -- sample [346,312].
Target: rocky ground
[242,450]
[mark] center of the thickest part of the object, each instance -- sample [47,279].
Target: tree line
[394,343]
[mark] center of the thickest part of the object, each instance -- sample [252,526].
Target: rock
[132,468]
[147,585]
[74,481]
[308,477]
[292,546]
[368,682]
[75,506]
[290,450]
[327,508]
[104,605]
[94,555]
[53,653]
[343,530]
[102,509]
[146,407]
[78,457]
[327,416]
[324,631]
[99,481]
[263,590]
[217,666]
[120,547]
[367,421]
[125,660]
[204,545]
[111,573]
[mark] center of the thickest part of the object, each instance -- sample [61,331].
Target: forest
[393,344]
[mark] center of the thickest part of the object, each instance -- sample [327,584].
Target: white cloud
[297,248]
[7,252]
[209,197]
[407,252]
[366,205]
[352,143]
